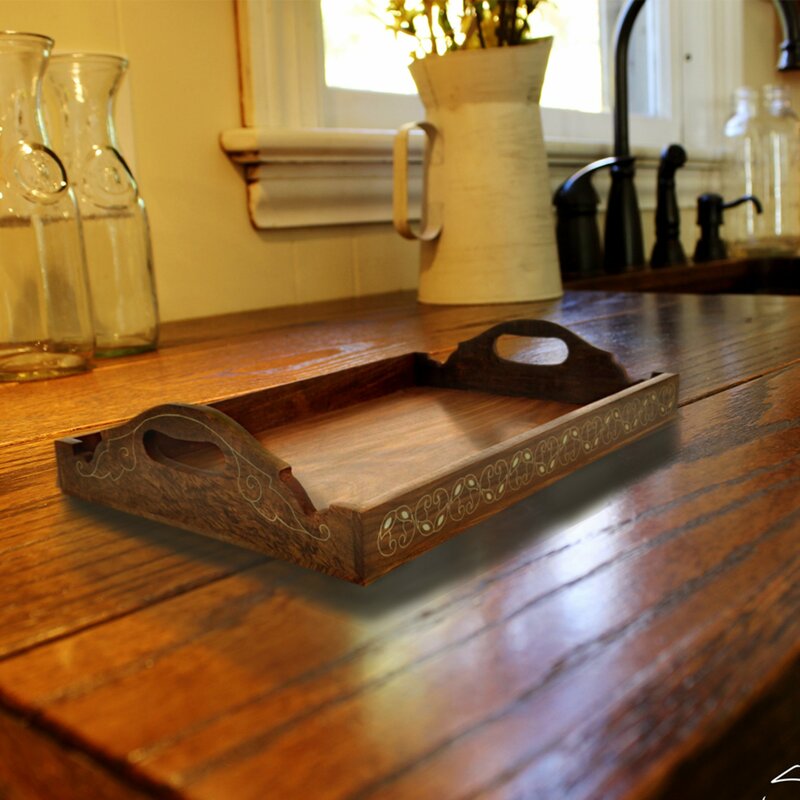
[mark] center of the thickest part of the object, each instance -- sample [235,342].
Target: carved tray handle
[200,454]
[587,374]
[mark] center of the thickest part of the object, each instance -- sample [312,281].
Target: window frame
[342,107]
[301,173]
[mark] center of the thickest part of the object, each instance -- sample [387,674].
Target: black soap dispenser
[710,207]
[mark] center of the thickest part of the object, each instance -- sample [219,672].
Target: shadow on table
[518,535]
[509,540]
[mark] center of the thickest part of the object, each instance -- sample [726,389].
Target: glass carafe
[782,146]
[745,172]
[81,93]
[45,311]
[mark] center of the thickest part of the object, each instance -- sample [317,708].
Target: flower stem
[478,6]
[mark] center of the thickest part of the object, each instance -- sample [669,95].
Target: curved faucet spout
[624,244]
[622,37]
[789,15]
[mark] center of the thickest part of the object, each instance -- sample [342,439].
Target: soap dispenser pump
[710,207]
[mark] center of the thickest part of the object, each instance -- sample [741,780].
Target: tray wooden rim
[534,433]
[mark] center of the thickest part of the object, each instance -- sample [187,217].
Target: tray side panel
[246,496]
[409,524]
[281,405]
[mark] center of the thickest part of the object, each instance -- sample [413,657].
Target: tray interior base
[357,454]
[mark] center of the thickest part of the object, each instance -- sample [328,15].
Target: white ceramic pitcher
[488,231]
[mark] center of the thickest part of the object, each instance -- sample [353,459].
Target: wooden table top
[631,631]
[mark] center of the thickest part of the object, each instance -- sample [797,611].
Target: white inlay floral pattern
[434,509]
[116,456]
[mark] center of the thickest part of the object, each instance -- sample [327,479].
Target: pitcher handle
[432,226]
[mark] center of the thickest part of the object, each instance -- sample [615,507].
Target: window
[355,34]
[317,150]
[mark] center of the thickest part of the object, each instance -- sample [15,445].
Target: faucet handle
[668,250]
[577,188]
[673,157]
[577,234]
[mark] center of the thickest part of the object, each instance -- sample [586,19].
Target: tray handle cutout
[187,461]
[587,374]
[197,457]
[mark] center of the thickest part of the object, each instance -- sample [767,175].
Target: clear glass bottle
[745,172]
[45,310]
[782,153]
[81,93]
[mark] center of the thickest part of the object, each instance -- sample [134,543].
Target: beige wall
[181,92]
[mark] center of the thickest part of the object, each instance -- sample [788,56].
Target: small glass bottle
[45,311]
[82,90]
[745,173]
[782,153]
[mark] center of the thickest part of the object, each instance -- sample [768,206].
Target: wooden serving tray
[388,459]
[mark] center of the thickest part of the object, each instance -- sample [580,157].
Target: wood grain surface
[623,633]
[713,341]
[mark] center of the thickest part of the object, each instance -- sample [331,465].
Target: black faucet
[576,201]
[577,234]
[624,245]
[789,15]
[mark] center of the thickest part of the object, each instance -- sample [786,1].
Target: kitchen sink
[750,276]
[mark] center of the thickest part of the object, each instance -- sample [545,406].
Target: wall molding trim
[302,177]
